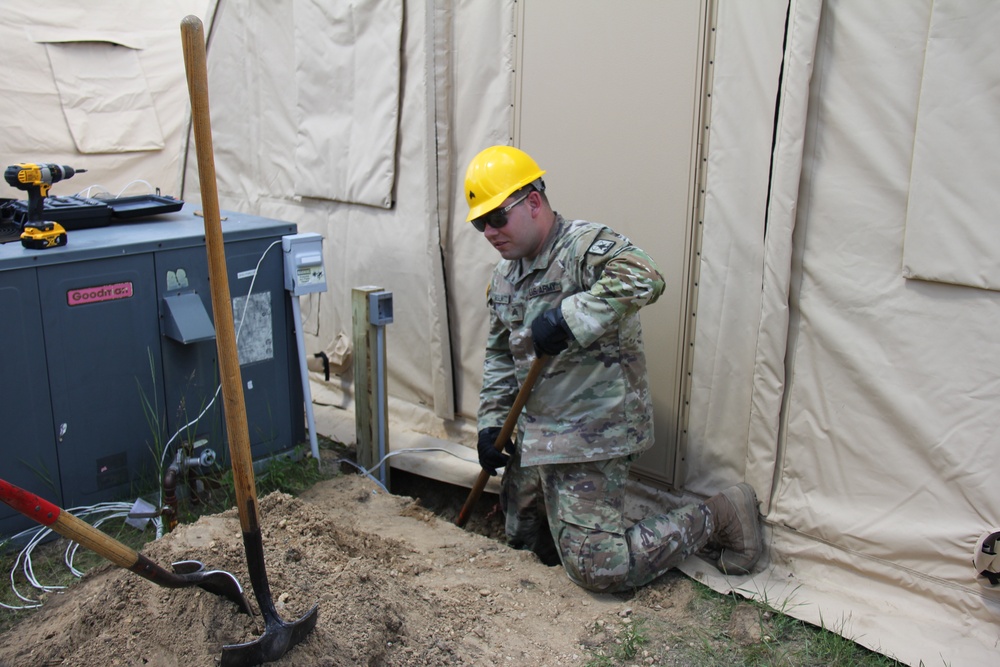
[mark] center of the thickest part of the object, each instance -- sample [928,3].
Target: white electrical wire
[131,183]
[23,562]
[413,450]
[86,192]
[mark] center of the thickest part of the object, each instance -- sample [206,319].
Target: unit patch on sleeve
[601,247]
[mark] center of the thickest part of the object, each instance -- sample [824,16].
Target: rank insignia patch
[600,247]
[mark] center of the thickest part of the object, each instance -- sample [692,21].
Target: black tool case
[78,212]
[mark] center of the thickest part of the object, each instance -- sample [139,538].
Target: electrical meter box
[109,351]
[304,272]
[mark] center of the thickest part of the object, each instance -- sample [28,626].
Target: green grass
[718,630]
[625,640]
[289,473]
[785,640]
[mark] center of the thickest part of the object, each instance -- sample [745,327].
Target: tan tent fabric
[860,402]
[71,97]
[68,34]
[482,59]
[786,167]
[348,99]
[104,93]
[952,234]
[747,62]
[887,434]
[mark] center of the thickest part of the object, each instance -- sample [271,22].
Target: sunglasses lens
[497,218]
[494,219]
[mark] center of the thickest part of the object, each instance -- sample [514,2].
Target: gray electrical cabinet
[109,352]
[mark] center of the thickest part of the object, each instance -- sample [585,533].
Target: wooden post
[370,409]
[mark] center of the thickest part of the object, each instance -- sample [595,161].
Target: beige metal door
[607,99]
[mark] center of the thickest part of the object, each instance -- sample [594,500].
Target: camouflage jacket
[592,400]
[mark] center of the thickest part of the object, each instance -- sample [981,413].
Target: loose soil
[397,584]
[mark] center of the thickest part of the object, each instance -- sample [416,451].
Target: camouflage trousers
[574,513]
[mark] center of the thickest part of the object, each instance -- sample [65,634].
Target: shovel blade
[277,639]
[218,582]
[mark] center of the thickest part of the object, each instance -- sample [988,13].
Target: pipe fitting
[170,495]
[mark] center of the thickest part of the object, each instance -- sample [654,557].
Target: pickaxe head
[277,639]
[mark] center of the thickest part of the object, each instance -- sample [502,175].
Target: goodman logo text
[78,297]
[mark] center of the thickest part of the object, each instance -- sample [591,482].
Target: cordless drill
[37,179]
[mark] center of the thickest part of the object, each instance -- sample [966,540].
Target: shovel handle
[508,429]
[67,525]
[193,42]
[81,532]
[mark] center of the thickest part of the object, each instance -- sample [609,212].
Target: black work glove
[489,457]
[550,333]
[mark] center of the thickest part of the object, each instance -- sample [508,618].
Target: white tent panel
[358,248]
[782,206]
[581,139]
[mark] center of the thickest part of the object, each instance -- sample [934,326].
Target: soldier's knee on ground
[594,560]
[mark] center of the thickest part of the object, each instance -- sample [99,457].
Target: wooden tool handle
[67,525]
[509,424]
[193,40]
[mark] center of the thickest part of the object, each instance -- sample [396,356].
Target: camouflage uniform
[589,415]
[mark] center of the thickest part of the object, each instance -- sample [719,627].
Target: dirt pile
[395,585]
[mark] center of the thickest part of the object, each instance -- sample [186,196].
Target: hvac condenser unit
[109,351]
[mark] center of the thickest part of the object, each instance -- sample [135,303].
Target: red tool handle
[29,504]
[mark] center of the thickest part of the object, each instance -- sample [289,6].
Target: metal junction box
[109,350]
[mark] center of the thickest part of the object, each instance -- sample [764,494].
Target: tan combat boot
[736,528]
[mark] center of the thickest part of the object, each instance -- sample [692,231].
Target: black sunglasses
[497,218]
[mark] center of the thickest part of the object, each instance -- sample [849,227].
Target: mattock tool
[508,429]
[186,572]
[279,636]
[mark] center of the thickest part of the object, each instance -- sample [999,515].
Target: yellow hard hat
[494,174]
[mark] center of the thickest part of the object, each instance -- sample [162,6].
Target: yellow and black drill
[37,179]
[37,232]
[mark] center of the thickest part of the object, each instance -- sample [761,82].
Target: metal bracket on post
[372,308]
